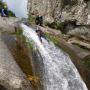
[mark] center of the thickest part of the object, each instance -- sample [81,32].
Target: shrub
[31,18]
[10,13]
[55,25]
[86,61]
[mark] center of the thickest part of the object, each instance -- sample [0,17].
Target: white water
[60,72]
[19,7]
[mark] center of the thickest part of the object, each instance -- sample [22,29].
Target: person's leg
[43,36]
[40,39]
[2,13]
[41,24]
[37,22]
[6,12]
[41,21]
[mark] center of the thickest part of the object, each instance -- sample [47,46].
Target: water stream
[59,71]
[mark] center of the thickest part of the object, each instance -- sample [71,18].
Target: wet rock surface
[11,76]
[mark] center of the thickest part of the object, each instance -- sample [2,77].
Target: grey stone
[62,10]
[11,76]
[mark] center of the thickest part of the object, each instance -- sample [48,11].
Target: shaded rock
[82,32]
[11,76]
[78,11]
[79,42]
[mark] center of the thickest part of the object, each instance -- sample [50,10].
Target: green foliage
[60,25]
[29,43]
[86,62]
[52,38]
[55,25]
[31,18]
[19,32]
[11,14]
[31,46]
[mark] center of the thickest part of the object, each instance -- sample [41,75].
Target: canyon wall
[62,10]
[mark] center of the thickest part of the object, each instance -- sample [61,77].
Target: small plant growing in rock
[31,18]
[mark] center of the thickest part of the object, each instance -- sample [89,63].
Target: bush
[55,25]
[10,13]
[19,32]
[86,61]
[31,18]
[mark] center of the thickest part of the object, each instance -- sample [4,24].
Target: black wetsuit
[6,11]
[39,20]
[41,35]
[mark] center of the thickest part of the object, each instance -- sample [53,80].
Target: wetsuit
[41,35]
[39,20]
[4,12]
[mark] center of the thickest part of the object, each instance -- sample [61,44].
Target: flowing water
[59,71]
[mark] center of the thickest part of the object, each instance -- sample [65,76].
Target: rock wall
[76,10]
[62,10]
[11,76]
[45,8]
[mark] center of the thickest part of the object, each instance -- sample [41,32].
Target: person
[41,34]
[39,20]
[4,11]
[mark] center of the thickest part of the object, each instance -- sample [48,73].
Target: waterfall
[60,73]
